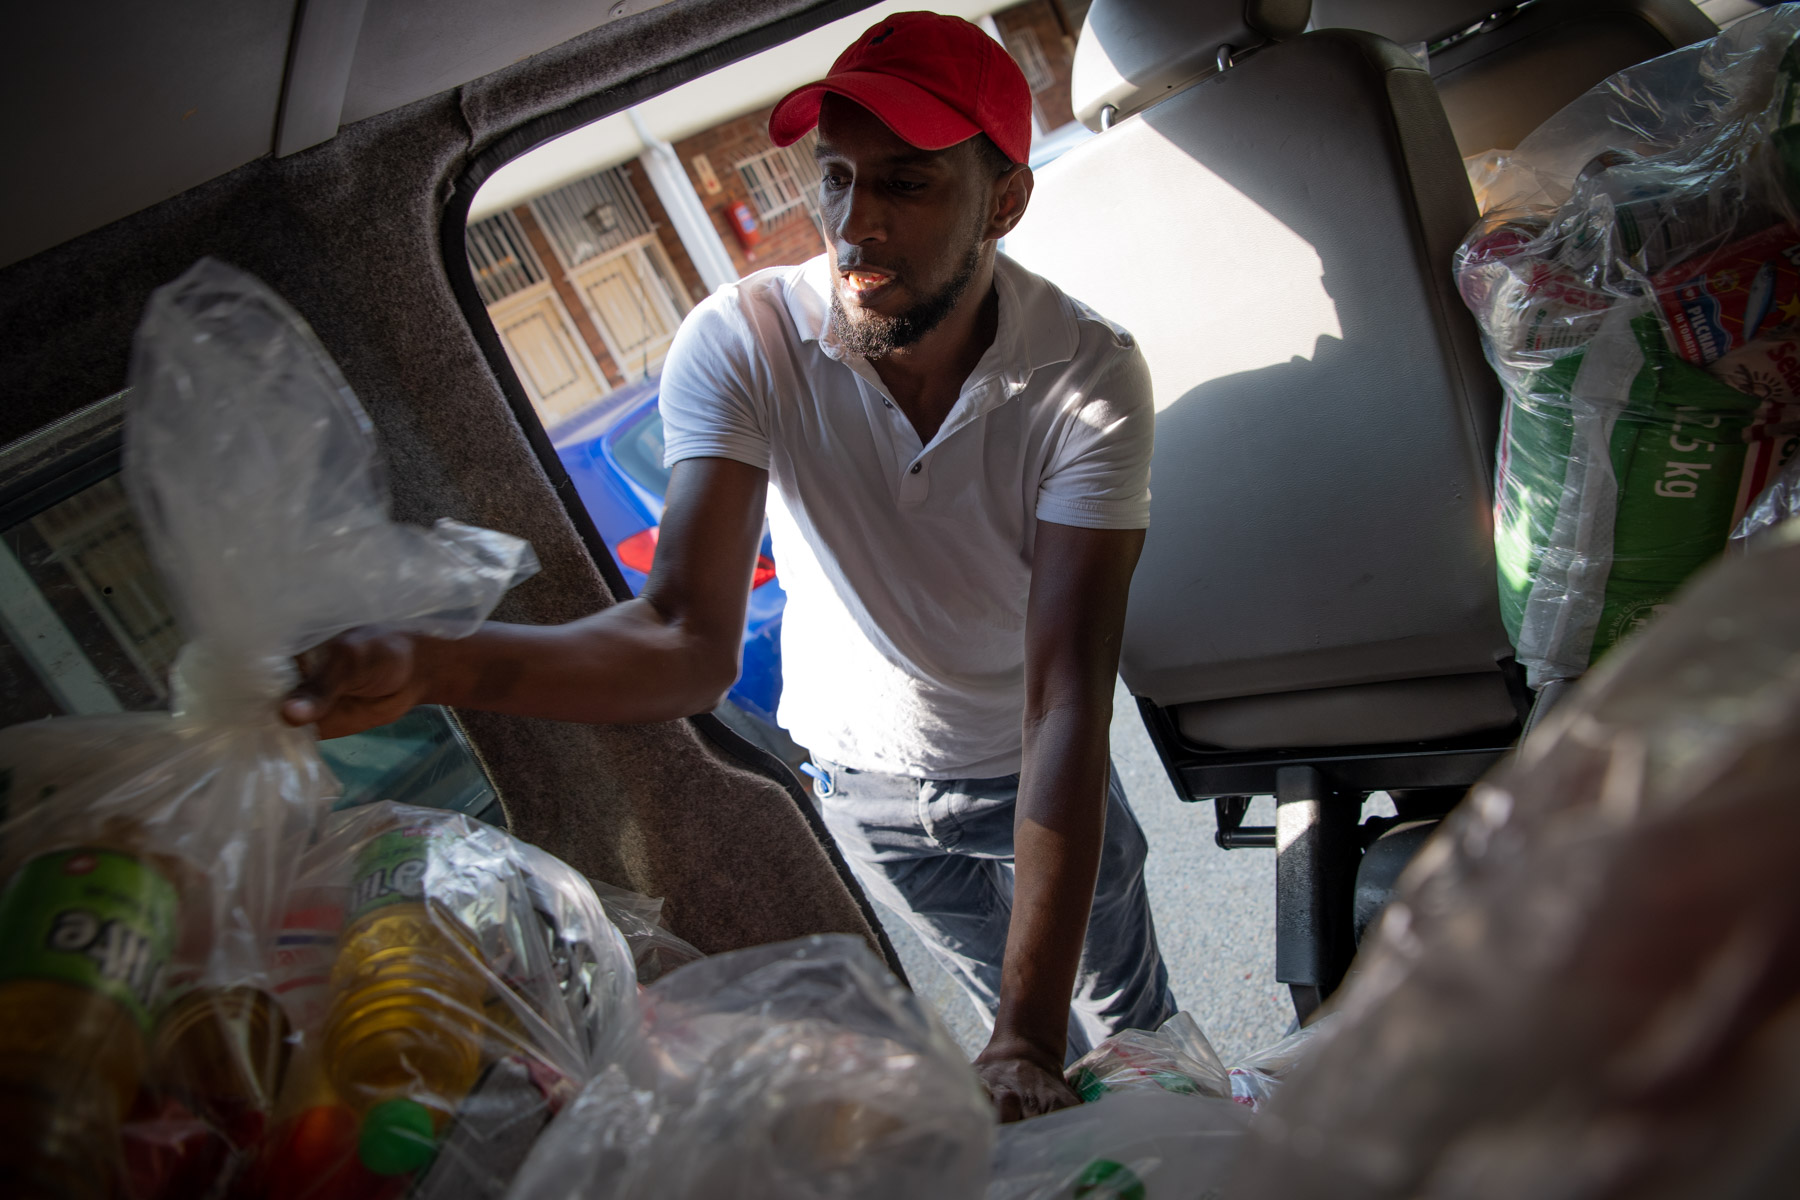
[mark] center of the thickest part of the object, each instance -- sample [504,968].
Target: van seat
[1524,62]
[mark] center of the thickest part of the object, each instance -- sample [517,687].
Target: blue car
[613,452]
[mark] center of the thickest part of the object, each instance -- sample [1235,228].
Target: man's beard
[873,335]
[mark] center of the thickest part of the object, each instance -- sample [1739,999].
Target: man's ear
[1012,192]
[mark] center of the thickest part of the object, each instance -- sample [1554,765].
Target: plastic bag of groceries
[1588,984]
[1779,503]
[801,1070]
[1637,285]
[450,988]
[145,858]
[1177,1058]
[1135,1145]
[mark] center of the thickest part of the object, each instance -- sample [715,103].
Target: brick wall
[1040,22]
[793,239]
[665,231]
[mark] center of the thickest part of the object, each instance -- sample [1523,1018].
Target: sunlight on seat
[1258,300]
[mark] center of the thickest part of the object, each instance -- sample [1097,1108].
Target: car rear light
[639,551]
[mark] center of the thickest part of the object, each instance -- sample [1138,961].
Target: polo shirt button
[915,467]
[889,403]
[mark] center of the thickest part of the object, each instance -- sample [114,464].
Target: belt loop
[822,782]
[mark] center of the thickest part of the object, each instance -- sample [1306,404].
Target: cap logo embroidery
[882,36]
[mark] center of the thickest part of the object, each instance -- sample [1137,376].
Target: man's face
[906,228]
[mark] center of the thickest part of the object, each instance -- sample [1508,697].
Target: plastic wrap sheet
[1588,984]
[1140,1144]
[798,1070]
[1636,277]
[145,859]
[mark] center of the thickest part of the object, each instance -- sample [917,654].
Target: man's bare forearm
[626,665]
[1058,832]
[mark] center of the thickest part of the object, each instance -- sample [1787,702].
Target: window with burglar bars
[591,216]
[502,257]
[1025,49]
[782,181]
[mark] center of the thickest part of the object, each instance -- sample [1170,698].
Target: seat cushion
[1278,237]
[1368,714]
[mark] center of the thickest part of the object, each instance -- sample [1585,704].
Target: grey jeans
[939,854]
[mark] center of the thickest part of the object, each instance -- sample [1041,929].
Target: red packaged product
[1721,301]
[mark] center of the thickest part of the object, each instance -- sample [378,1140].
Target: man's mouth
[865,284]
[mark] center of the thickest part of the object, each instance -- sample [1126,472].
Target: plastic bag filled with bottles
[449,989]
[146,859]
[1636,277]
[1588,983]
[801,1070]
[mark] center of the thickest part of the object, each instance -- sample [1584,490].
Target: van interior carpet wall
[348,233]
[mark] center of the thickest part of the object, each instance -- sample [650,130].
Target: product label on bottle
[94,918]
[391,870]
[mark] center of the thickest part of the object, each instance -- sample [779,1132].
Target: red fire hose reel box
[743,223]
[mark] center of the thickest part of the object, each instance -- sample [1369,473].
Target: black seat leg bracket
[1316,848]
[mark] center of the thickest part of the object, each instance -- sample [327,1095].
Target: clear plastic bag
[1588,984]
[1139,1144]
[801,1070]
[145,858]
[451,988]
[1257,1077]
[1175,1058]
[1636,276]
[655,950]
[1779,503]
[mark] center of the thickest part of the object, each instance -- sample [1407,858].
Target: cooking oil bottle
[404,1028]
[85,939]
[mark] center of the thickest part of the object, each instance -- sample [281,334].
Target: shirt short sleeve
[1099,476]
[709,394]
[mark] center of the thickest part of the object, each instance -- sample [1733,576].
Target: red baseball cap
[934,80]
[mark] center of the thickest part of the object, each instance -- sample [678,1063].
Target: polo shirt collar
[1036,328]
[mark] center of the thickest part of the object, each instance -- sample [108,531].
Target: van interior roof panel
[351,233]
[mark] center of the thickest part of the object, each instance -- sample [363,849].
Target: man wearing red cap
[960,457]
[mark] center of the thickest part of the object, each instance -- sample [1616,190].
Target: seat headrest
[1133,53]
[1404,21]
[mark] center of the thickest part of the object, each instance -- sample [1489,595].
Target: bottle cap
[397,1136]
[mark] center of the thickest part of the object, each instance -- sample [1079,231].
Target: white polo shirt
[907,566]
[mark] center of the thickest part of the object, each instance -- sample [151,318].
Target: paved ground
[1215,912]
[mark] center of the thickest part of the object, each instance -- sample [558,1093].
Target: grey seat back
[1504,80]
[1278,237]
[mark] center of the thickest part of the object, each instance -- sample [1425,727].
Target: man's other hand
[356,681]
[1023,1082]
